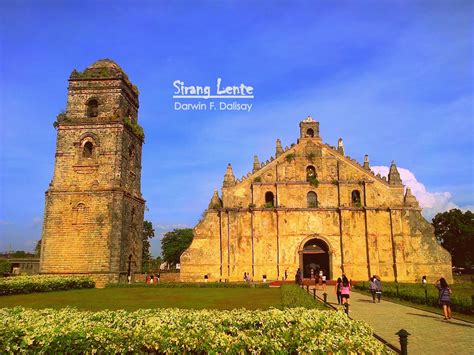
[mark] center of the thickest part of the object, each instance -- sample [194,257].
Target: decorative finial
[229,178]
[366,162]
[340,146]
[216,202]
[394,175]
[279,149]
[256,164]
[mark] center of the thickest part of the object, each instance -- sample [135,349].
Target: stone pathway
[430,333]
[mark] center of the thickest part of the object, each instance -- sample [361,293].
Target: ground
[137,298]
[430,334]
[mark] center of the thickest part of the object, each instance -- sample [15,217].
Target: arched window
[269,199]
[92,108]
[79,214]
[310,132]
[312,199]
[355,198]
[310,173]
[87,150]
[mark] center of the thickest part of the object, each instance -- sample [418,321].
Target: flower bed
[178,331]
[42,283]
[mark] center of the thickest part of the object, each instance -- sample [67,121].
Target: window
[312,199]
[92,108]
[88,150]
[310,173]
[310,132]
[269,199]
[356,198]
[79,214]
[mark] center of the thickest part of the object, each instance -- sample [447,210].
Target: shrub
[5,267]
[313,181]
[135,128]
[189,284]
[290,157]
[295,296]
[42,283]
[184,331]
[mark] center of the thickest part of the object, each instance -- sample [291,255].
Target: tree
[148,233]
[174,243]
[38,248]
[455,231]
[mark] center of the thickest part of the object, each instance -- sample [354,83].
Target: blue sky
[394,79]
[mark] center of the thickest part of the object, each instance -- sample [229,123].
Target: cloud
[431,202]
[37,222]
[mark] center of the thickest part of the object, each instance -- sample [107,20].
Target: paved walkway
[430,333]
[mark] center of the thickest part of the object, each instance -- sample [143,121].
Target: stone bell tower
[93,217]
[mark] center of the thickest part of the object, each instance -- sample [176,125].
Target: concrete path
[430,333]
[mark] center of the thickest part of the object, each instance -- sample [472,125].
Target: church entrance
[315,257]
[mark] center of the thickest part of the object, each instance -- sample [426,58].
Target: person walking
[378,288]
[444,298]
[372,287]
[338,290]
[345,290]
[324,280]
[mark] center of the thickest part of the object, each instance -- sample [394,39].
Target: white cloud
[431,202]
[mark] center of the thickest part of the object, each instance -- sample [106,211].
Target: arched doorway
[315,255]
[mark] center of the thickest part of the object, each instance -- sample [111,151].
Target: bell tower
[93,217]
[309,129]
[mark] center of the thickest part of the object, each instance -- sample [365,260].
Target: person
[372,287]
[286,274]
[423,280]
[158,277]
[378,288]
[320,278]
[338,290]
[324,281]
[297,277]
[245,276]
[345,290]
[444,298]
[312,274]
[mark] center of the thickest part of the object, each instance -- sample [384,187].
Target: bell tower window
[92,108]
[88,150]
[310,133]
[310,173]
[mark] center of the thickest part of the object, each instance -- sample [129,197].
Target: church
[312,207]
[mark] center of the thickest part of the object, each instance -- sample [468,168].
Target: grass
[131,299]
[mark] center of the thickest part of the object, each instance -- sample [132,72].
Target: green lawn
[136,298]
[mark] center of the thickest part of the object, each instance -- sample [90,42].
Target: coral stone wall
[94,209]
[380,232]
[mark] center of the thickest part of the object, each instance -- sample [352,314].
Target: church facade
[93,217]
[313,207]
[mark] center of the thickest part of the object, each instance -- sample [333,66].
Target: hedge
[416,293]
[42,283]
[188,284]
[184,331]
